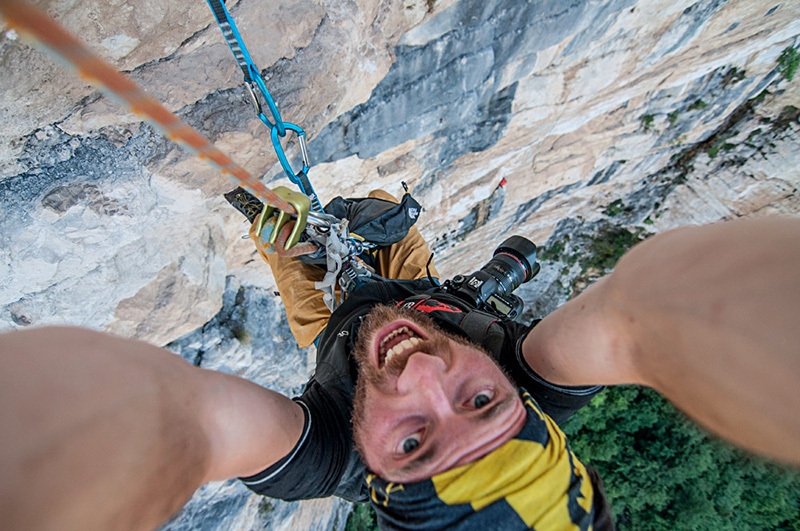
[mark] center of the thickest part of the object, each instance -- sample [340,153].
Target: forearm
[117,433]
[713,315]
[705,315]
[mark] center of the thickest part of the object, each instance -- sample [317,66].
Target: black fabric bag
[376,220]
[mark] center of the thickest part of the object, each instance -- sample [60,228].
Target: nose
[424,375]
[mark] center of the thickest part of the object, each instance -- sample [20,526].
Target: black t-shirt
[324,462]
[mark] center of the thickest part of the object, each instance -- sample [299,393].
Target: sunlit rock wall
[549,119]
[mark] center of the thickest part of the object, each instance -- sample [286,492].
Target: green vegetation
[698,105]
[362,518]
[733,76]
[265,507]
[241,334]
[601,254]
[594,252]
[673,117]
[752,137]
[607,247]
[615,208]
[647,121]
[788,62]
[553,252]
[663,473]
[713,151]
[680,140]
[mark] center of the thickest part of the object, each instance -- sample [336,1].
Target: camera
[490,288]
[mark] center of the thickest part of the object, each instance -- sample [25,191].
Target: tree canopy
[662,472]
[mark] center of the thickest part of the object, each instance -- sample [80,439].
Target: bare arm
[708,316]
[117,434]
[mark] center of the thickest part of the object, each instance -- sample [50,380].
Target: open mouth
[400,340]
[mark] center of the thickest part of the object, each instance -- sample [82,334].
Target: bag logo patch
[429,305]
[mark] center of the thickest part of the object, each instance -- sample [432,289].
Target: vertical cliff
[564,121]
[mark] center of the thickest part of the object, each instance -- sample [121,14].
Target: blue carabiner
[276,142]
[279,124]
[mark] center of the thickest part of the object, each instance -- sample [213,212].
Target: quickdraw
[329,233]
[256,85]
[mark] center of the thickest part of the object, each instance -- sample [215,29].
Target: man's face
[427,401]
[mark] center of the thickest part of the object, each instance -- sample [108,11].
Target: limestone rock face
[543,118]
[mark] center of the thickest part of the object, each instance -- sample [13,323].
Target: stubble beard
[437,344]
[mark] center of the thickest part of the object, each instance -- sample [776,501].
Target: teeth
[401,330]
[401,347]
[404,345]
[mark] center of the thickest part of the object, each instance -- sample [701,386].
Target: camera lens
[513,263]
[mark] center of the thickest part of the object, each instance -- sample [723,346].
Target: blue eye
[410,444]
[481,400]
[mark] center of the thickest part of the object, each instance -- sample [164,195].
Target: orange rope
[29,20]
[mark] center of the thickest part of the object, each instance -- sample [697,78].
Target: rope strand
[28,20]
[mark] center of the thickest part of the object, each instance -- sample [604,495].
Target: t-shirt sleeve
[322,463]
[558,401]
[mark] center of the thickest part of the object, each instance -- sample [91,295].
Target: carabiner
[273,107]
[276,142]
[256,103]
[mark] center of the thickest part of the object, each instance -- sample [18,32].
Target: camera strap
[455,316]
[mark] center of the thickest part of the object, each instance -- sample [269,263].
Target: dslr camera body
[490,288]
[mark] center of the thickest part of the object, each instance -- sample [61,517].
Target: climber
[366,337]
[120,433]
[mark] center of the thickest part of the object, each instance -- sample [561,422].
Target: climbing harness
[336,253]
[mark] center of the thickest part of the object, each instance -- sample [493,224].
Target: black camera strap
[456,316]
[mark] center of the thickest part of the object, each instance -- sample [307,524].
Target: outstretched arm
[118,434]
[708,316]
